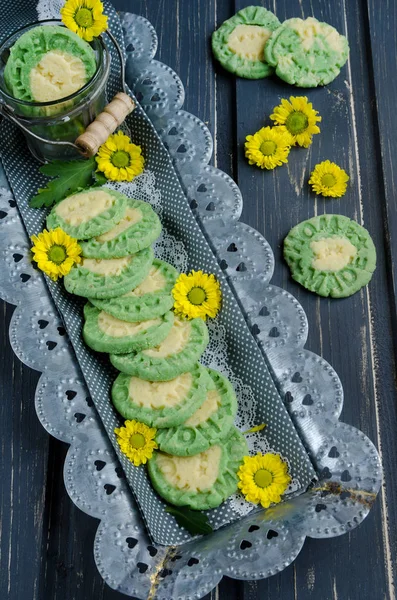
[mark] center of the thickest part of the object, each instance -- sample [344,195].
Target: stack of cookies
[161,383]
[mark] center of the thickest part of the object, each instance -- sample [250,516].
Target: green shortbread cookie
[105,333]
[89,213]
[139,227]
[101,278]
[207,426]
[307,53]
[161,403]
[176,354]
[239,42]
[151,298]
[48,63]
[202,481]
[330,255]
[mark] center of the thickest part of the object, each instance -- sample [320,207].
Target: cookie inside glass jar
[48,63]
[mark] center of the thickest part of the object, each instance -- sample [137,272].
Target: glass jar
[59,120]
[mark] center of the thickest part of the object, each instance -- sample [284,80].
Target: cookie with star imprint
[330,255]
[201,481]
[240,41]
[176,354]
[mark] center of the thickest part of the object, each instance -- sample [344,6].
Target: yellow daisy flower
[84,17]
[298,118]
[328,179]
[197,295]
[55,252]
[268,148]
[136,441]
[119,159]
[263,478]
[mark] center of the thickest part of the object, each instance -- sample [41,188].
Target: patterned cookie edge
[234,448]
[164,369]
[248,69]
[98,225]
[135,238]
[163,417]
[216,428]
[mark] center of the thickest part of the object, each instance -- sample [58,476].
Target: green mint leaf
[194,521]
[69,177]
[99,178]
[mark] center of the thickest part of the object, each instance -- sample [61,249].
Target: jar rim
[85,87]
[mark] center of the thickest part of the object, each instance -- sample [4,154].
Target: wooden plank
[23,473]
[382,18]
[344,332]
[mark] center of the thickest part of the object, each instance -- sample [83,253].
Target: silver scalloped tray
[260,544]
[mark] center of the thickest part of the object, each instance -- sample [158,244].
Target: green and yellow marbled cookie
[240,41]
[330,255]
[307,53]
[48,63]
[103,278]
[139,227]
[105,333]
[161,403]
[176,354]
[202,481]
[89,213]
[151,298]
[207,426]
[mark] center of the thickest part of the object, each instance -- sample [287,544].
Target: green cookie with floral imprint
[201,481]
[101,278]
[104,333]
[330,255]
[161,403]
[139,227]
[307,53]
[207,426]
[176,354]
[151,298]
[240,41]
[90,213]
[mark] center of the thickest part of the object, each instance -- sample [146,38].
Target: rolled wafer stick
[106,123]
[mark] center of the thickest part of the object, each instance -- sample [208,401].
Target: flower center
[57,254]
[297,122]
[268,147]
[120,158]
[137,440]
[328,180]
[196,296]
[83,17]
[263,478]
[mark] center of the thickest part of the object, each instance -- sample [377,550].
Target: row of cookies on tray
[161,383]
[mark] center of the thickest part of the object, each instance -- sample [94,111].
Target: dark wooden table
[46,542]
